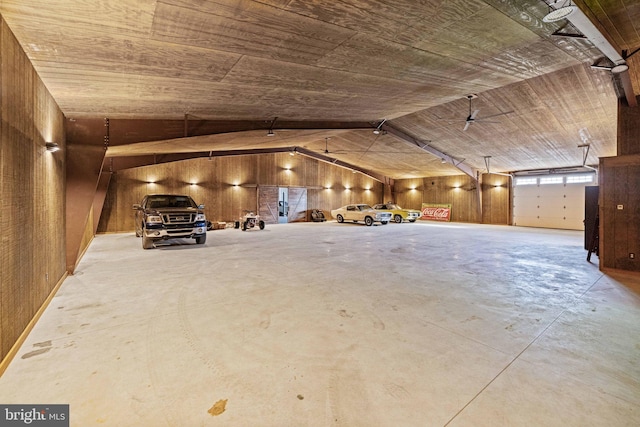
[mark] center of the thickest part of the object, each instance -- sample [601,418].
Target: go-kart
[251,220]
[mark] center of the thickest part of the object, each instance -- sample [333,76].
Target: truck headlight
[154,218]
[200,217]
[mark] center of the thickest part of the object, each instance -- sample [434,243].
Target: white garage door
[551,201]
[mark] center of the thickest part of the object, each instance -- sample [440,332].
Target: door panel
[549,205]
[297,204]
[268,204]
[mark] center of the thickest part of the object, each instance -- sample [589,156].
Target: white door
[550,201]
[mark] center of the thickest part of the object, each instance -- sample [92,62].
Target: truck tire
[147,243]
[261,225]
[201,239]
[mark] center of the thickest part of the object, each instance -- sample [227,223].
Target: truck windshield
[170,202]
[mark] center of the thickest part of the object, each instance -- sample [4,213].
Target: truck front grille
[178,218]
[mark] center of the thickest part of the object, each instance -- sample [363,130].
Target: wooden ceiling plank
[121,16]
[300,41]
[480,36]
[93,50]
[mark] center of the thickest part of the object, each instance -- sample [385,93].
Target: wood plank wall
[461,191]
[496,199]
[32,187]
[228,185]
[620,212]
[328,187]
[619,196]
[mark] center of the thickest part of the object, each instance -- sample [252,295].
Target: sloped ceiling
[411,63]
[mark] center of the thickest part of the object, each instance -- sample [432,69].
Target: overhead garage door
[550,201]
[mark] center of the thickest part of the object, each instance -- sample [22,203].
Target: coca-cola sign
[436,212]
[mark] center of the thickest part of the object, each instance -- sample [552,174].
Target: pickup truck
[169,216]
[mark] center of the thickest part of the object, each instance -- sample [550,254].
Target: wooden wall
[619,196]
[32,188]
[461,191]
[620,212]
[496,199]
[228,185]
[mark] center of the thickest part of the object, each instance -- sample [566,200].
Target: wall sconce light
[52,147]
[442,160]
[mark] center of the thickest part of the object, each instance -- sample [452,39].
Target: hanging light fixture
[378,129]
[270,133]
[559,14]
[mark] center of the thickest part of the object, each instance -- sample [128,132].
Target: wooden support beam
[472,172]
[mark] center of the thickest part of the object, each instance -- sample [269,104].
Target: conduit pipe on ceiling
[582,23]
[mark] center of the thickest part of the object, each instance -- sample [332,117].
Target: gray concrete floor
[326,324]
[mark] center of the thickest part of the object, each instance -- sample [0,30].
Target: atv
[251,220]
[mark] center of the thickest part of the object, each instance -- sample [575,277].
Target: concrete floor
[326,324]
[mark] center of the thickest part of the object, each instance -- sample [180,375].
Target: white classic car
[399,214]
[360,212]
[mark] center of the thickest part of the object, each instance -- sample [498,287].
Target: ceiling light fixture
[273,122]
[620,68]
[559,14]
[487,161]
[52,147]
[378,129]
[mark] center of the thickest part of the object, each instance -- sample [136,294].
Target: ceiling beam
[472,172]
[113,164]
[378,177]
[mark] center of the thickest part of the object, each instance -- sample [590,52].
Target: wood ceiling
[409,62]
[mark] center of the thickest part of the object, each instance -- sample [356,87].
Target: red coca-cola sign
[436,212]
